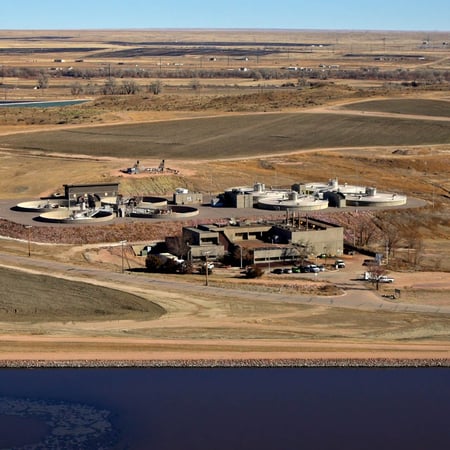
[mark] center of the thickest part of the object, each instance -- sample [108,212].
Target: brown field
[236,136]
[37,298]
[227,131]
[437,108]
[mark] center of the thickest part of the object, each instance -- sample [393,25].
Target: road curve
[354,298]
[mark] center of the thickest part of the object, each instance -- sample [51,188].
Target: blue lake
[283,408]
[45,104]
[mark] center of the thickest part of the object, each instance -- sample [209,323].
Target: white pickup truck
[381,279]
[385,279]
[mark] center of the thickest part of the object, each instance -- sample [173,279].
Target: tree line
[364,73]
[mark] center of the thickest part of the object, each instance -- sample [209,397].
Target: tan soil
[317,332]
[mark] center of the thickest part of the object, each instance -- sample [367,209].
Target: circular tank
[75,216]
[293,202]
[376,200]
[42,205]
[152,202]
[174,211]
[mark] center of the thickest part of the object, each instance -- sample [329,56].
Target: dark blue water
[226,408]
[33,104]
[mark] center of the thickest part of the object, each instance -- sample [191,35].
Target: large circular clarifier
[293,201]
[42,205]
[374,199]
[77,216]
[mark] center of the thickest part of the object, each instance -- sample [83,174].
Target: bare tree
[414,246]
[364,232]
[110,87]
[243,254]
[254,271]
[195,85]
[42,82]
[290,253]
[303,250]
[392,239]
[76,88]
[391,233]
[177,246]
[130,87]
[91,89]
[375,271]
[155,87]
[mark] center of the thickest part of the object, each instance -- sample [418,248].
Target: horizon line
[373,30]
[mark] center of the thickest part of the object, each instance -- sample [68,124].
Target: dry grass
[37,298]
[63,307]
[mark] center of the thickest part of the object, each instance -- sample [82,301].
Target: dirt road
[216,323]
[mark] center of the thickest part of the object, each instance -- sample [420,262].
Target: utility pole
[28,227]
[206,254]
[122,244]
[270,251]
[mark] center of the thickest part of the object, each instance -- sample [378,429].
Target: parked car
[312,268]
[296,269]
[277,271]
[368,262]
[287,270]
[339,264]
[385,279]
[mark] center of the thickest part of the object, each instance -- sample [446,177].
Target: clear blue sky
[427,15]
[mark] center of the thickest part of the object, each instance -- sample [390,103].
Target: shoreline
[229,363]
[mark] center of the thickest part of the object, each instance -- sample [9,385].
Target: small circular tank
[259,187]
[371,191]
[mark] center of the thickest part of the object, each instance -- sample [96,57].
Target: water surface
[37,104]
[229,408]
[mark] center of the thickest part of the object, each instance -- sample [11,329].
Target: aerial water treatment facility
[91,203]
[307,197]
[101,202]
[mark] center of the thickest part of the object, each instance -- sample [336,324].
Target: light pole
[28,227]
[206,254]
[122,244]
[189,251]
[270,251]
